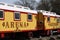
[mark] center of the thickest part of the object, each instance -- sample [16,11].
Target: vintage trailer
[21,21]
[50,22]
[15,18]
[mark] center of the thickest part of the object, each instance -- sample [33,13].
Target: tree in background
[49,5]
[45,5]
[27,3]
[56,6]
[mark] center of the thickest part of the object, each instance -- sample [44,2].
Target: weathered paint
[9,24]
[52,24]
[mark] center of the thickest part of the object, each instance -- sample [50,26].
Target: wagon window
[48,18]
[1,14]
[17,15]
[58,20]
[29,17]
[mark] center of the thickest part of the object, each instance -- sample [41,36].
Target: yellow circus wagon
[50,20]
[15,18]
[19,21]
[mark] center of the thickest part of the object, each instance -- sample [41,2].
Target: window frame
[3,15]
[29,20]
[58,20]
[48,18]
[19,17]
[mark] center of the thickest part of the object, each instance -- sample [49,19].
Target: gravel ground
[47,38]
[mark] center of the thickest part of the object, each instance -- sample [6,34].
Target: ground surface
[56,37]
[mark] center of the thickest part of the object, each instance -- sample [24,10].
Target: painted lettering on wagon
[52,24]
[15,24]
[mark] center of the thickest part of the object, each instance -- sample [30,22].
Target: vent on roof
[19,6]
[2,4]
[26,8]
[53,13]
[50,12]
[41,10]
[22,7]
[46,11]
[10,5]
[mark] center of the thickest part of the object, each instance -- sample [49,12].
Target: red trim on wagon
[17,31]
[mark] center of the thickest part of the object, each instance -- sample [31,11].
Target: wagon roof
[47,13]
[58,16]
[16,8]
[25,9]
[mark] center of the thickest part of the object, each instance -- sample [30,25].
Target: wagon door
[40,21]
